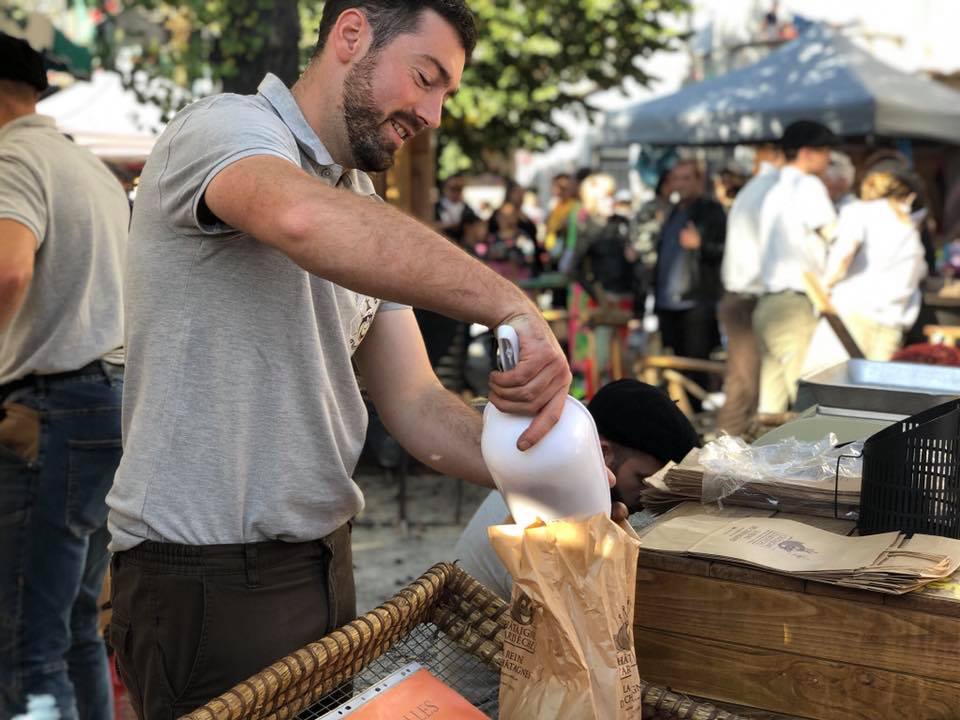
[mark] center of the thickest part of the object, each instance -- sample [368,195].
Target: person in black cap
[640,428]
[63,228]
[797,225]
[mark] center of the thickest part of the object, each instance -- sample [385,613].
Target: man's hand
[618,511]
[690,237]
[538,385]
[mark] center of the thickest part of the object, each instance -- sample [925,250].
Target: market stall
[736,604]
[797,647]
[822,75]
[108,119]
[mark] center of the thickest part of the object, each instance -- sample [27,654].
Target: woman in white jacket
[877,264]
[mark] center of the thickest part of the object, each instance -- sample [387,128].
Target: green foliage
[533,56]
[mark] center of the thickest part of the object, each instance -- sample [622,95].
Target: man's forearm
[442,431]
[12,293]
[412,264]
[365,246]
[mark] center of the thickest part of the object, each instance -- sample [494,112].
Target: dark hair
[806,133]
[390,18]
[20,63]
[642,417]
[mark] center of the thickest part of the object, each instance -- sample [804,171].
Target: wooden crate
[796,647]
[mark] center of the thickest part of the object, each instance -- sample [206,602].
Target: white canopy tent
[106,118]
[821,75]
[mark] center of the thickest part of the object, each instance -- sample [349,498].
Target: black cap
[807,133]
[21,63]
[643,417]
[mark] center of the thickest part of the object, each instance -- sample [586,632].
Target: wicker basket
[445,620]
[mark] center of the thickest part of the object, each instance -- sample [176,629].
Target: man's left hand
[618,512]
[538,385]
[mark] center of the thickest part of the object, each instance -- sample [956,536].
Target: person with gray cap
[63,227]
[797,225]
[640,429]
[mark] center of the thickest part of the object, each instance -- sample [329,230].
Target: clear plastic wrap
[788,475]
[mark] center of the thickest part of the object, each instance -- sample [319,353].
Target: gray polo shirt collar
[32,120]
[273,90]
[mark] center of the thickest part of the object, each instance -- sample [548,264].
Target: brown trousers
[742,382]
[190,622]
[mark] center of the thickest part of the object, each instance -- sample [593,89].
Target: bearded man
[260,270]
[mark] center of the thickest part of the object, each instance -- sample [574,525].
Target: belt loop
[250,565]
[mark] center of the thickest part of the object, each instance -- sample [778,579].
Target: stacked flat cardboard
[886,562]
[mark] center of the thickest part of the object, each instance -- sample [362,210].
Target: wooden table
[794,647]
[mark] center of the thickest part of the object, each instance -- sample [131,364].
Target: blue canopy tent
[821,76]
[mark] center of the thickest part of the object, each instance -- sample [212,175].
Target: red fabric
[929,354]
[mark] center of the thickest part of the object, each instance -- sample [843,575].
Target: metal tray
[887,387]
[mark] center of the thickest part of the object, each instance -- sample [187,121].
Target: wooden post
[409,184]
[821,302]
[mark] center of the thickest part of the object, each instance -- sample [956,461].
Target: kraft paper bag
[568,648]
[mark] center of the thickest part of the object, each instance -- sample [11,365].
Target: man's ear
[350,35]
[607,448]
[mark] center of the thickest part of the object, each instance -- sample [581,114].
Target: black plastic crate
[911,475]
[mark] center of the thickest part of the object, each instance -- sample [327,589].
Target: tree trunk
[279,21]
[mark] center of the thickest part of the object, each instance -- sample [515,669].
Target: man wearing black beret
[640,428]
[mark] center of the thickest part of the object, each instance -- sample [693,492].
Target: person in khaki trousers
[797,224]
[743,284]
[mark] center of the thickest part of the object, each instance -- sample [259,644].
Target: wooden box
[796,647]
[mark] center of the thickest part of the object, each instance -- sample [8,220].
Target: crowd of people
[727,262]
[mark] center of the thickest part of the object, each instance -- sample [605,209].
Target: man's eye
[423,79]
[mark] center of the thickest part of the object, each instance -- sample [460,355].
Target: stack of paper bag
[824,497]
[886,562]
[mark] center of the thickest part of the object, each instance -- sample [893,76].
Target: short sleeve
[387,306]
[818,209]
[205,139]
[21,196]
[851,231]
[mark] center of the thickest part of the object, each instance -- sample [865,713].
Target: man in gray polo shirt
[257,263]
[63,227]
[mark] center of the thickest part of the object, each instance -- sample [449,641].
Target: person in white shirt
[743,284]
[797,222]
[877,264]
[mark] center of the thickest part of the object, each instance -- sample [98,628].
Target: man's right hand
[539,384]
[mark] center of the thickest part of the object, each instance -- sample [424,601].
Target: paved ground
[388,553]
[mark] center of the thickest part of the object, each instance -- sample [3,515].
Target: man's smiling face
[391,95]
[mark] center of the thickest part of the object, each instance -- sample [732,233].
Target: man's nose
[431,110]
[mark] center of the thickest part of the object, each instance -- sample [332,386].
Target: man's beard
[364,120]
